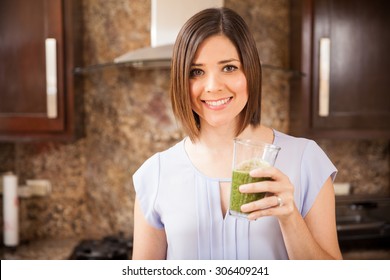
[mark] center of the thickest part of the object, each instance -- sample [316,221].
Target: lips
[215,104]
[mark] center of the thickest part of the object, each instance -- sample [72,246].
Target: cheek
[195,91]
[194,88]
[240,86]
[193,95]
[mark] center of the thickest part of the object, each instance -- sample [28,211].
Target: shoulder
[285,139]
[307,154]
[147,182]
[166,158]
[295,146]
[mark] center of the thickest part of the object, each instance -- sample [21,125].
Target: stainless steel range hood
[150,57]
[167,17]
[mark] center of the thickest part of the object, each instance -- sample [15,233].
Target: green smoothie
[240,177]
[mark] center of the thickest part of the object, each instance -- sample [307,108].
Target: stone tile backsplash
[128,118]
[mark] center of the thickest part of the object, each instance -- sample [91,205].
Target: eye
[230,68]
[196,72]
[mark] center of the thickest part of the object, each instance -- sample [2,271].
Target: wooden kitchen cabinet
[343,90]
[37,89]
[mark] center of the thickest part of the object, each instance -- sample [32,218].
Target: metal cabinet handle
[323,108]
[51,77]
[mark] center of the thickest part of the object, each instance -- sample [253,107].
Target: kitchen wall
[128,118]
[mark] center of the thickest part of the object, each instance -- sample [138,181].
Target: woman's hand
[312,237]
[279,200]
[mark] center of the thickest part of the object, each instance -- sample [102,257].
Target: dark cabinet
[38,52]
[341,48]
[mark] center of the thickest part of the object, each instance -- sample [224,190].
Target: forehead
[215,47]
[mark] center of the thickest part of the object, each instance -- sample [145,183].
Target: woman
[182,194]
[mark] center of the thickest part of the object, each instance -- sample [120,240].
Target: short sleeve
[146,184]
[316,168]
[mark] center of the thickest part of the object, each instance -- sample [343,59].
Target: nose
[213,83]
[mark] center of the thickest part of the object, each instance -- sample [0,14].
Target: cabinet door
[351,39]
[34,104]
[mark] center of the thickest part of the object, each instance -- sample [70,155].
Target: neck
[222,137]
[216,137]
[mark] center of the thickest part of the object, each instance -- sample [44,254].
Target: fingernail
[251,218]
[243,188]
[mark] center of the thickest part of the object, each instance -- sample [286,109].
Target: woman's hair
[206,23]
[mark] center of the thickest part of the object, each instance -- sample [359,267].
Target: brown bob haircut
[206,23]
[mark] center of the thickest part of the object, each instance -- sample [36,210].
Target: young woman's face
[218,85]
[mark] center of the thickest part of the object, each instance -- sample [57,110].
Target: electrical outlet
[39,187]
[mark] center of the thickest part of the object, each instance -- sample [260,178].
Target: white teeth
[218,103]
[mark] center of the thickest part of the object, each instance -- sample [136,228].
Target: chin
[221,123]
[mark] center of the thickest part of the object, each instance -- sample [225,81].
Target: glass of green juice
[248,155]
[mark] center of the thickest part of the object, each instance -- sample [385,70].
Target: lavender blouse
[176,197]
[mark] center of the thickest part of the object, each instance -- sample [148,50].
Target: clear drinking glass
[248,155]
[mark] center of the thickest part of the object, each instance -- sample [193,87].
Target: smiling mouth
[217,103]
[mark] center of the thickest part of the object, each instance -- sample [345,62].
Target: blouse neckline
[201,174]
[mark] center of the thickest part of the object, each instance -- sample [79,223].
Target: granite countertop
[48,249]
[52,249]
[378,254]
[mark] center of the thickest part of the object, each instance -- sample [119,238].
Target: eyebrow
[219,62]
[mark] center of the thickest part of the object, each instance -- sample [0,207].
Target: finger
[268,172]
[272,211]
[264,203]
[263,186]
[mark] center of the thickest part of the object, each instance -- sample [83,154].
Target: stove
[109,248]
[363,222]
